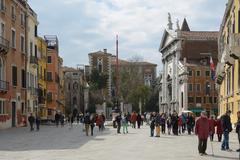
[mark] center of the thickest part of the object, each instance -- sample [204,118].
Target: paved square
[52,143]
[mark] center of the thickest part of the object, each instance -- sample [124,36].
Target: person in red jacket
[219,129]
[202,131]
[212,124]
[134,119]
[99,122]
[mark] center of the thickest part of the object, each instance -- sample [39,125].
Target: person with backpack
[227,128]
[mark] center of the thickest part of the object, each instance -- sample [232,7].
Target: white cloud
[93,24]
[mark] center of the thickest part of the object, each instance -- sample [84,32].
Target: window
[49,76]
[2,107]
[22,108]
[190,72]
[207,73]
[198,73]
[100,64]
[207,88]
[23,78]
[210,100]
[31,48]
[22,42]
[49,112]
[13,13]
[35,50]
[148,79]
[49,96]
[215,100]
[14,75]
[36,30]
[49,59]
[2,30]
[190,100]
[190,88]
[22,18]
[198,87]
[2,5]
[13,39]
[204,99]
[198,99]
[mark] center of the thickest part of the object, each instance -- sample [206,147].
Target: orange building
[12,63]
[52,76]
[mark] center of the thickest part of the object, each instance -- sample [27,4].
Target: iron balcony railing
[33,60]
[4,45]
[4,86]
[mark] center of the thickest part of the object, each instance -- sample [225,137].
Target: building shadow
[48,138]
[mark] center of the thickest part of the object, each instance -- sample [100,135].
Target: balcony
[235,45]
[4,86]
[33,60]
[4,45]
[34,91]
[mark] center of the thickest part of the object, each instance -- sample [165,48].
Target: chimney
[105,50]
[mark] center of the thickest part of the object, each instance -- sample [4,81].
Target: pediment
[168,37]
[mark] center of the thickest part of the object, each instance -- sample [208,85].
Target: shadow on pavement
[48,138]
[222,157]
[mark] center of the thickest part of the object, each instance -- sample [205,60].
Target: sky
[85,26]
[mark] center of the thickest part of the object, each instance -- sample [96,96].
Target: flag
[212,68]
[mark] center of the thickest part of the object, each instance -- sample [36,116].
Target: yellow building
[228,69]
[42,85]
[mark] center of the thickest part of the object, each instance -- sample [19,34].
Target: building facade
[52,76]
[186,70]
[32,62]
[42,84]
[74,90]
[228,69]
[13,59]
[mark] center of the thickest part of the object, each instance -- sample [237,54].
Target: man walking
[38,121]
[87,123]
[227,128]
[238,129]
[202,131]
[31,120]
[118,120]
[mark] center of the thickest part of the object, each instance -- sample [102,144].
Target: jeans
[225,143]
[125,128]
[202,145]
[152,132]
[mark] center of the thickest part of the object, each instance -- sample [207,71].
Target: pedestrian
[174,119]
[78,118]
[179,124]
[184,122]
[99,122]
[190,124]
[158,124]
[103,121]
[219,129]
[62,120]
[152,127]
[125,124]
[134,119]
[169,125]
[212,124]
[148,116]
[163,123]
[31,120]
[71,121]
[202,131]
[238,129]
[92,122]
[118,120]
[227,128]
[38,121]
[87,123]
[139,120]
[57,118]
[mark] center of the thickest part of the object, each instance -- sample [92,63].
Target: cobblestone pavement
[52,143]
